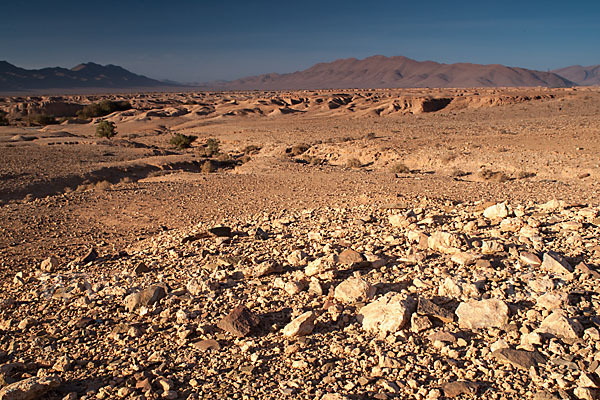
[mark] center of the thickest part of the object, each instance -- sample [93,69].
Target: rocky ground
[127,272]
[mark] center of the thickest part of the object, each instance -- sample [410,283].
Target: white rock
[489,313]
[389,313]
[496,211]
[301,326]
[354,289]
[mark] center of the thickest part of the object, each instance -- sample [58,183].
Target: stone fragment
[482,314]
[297,258]
[457,388]
[30,388]
[141,268]
[267,268]
[497,211]
[389,313]
[354,289]
[584,269]
[491,247]
[50,264]
[239,322]
[89,256]
[349,257]
[145,297]
[559,325]
[419,323]
[427,307]
[207,344]
[519,358]
[586,393]
[464,258]
[530,259]
[397,220]
[220,231]
[301,326]
[556,264]
[444,242]
[552,300]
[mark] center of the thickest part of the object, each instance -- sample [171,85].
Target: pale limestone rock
[490,313]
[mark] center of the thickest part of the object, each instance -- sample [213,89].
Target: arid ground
[357,185]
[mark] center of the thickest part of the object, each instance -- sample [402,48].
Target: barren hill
[397,72]
[583,76]
[13,78]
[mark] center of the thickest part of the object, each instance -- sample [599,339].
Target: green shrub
[41,119]
[212,145]
[103,108]
[106,129]
[182,141]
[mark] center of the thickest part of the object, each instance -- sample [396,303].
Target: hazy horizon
[193,42]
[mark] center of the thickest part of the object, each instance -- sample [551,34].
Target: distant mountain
[582,76]
[396,72]
[88,75]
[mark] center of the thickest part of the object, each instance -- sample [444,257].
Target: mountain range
[583,76]
[88,75]
[371,72]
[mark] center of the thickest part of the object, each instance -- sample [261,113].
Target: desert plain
[326,244]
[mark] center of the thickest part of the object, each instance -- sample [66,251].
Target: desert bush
[106,129]
[251,149]
[353,163]
[3,118]
[400,168]
[182,141]
[525,174]
[494,176]
[296,150]
[212,146]
[41,119]
[102,108]
[208,166]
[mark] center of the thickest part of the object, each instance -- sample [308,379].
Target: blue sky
[200,41]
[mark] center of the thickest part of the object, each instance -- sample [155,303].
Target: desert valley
[320,243]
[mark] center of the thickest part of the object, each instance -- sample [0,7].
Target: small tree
[106,129]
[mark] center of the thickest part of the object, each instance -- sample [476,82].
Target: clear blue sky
[204,40]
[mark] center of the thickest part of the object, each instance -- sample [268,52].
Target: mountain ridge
[85,75]
[583,76]
[395,72]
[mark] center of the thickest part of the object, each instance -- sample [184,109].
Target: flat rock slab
[29,389]
[239,322]
[482,314]
[519,358]
[207,344]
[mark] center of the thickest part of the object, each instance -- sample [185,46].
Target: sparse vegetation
[251,149]
[3,119]
[106,129]
[103,108]
[41,119]
[181,141]
[353,163]
[297,150]
[212,145]
[208,166]
[525,174]
[400,168]
[494,176]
